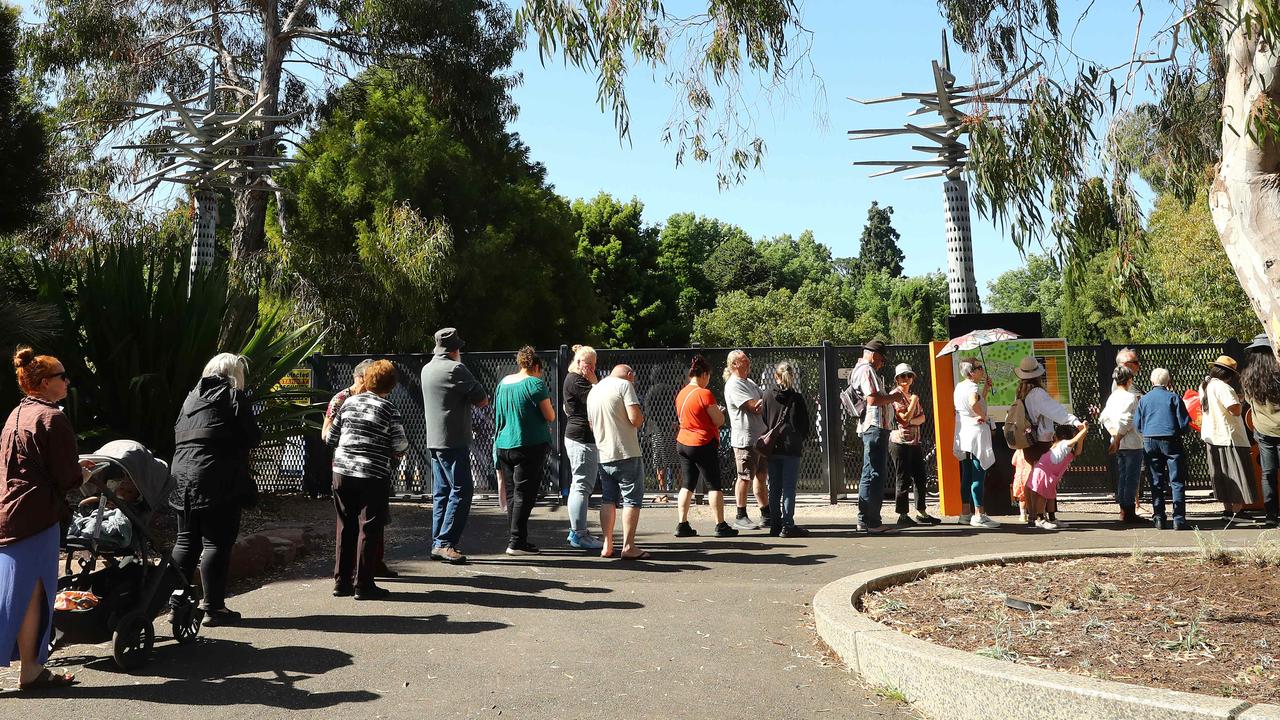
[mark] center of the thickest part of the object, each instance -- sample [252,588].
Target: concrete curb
[948,683]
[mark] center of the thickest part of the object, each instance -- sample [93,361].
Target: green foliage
[918,309]
[367,252]
[23,137]
[1034,287]
[685,243]
[878,247]
[776,319]
[731,39]
[737,264]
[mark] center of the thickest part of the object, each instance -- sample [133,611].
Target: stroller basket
[117,588]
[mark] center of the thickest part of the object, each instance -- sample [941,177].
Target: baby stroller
[115,582]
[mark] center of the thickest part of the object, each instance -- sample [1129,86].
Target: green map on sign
[1002,359]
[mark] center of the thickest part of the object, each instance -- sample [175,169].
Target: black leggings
[207,534]
[700,460]
[523,470]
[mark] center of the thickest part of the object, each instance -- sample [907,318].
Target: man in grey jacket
[449,391]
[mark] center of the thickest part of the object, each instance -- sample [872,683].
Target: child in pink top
[1042,484]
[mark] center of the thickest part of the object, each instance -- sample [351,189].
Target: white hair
[1161,377]
[966,368]
[580,353]
[228,365]
[732,359]
[1125,353]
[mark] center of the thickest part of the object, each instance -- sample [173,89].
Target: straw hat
[1029,369]
[1226,362]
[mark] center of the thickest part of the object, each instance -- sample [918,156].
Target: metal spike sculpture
[950,156]
[201,150]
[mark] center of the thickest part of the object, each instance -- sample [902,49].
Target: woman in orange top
[697,443]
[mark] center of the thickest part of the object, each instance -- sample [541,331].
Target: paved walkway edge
[948,683]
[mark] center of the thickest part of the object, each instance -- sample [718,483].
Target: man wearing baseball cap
[873,428]
[449,390]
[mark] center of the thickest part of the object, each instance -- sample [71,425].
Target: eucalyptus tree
[1053,171]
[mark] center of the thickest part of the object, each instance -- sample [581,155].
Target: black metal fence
[832,456]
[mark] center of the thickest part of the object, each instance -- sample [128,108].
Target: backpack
[853,401]
[1017,426]
[1195,408]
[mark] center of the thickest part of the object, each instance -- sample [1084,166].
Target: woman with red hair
[38,466]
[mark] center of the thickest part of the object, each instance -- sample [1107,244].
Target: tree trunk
[1245,197]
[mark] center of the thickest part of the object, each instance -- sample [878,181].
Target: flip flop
[46,680]
[644,555]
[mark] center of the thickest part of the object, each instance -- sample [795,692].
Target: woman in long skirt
[1226,443]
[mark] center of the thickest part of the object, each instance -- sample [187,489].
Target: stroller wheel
[134,638]
[186,619]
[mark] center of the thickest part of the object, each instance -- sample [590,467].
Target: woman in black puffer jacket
[214,435]
[785,403]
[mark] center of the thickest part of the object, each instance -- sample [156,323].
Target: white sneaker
[983,521]
[1046,525]
[1058,522]
[1022,517]
[964,519]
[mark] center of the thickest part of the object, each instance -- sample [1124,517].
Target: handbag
[768,442]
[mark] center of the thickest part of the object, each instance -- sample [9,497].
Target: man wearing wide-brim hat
[1260,381]
[449,391]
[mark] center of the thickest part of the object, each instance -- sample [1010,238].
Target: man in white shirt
[745,401]
[873,427]
[613,411]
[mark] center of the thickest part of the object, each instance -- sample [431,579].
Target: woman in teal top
[523,410]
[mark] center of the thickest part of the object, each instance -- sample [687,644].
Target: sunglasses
[65,377]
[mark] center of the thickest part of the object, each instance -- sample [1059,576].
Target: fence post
[829,389]
[562,369]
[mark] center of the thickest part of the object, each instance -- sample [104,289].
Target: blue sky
[860,49]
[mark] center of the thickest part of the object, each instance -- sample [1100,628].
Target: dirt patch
[1197,624]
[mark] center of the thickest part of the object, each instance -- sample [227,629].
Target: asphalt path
[708,628]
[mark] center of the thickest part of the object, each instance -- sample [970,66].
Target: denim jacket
[1161,414]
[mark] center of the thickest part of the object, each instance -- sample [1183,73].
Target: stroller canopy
[150,475]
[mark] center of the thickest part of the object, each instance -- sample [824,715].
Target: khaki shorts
[749,463]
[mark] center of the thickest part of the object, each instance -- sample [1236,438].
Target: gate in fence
[832,458]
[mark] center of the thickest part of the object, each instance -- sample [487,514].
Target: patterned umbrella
[977,339]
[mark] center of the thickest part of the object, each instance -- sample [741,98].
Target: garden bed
[1202,623]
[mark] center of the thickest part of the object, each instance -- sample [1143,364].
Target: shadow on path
[498,582]
[208,674]
[504,600]
[438,624]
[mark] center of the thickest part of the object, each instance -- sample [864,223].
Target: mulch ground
[1177,622]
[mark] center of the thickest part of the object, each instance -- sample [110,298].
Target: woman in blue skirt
[38,466]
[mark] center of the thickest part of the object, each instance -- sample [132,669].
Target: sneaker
[449,555]
[1059,522]
[525,548]
[1046,525]
[775,530]
[220,616]
[684,529]
[724,530]
[745,523]
[964,519]
[925,518]
[881,530]
[585,541]
[1024,519]
[983,521]
[1181,524]
[905,519]
[794,531]
[343,590]
[372,593]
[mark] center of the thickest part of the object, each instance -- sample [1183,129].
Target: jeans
[623,482]
[361,505]
[1128,476]
[875,450]
[783,471]
[1269,456]
[584,463]
[454,487]
[523,470]
[207,534]
[1167,467]
[972,477]
[908,465]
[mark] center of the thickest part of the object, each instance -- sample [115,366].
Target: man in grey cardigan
[449,391]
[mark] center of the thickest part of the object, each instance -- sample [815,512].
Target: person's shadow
[214,672]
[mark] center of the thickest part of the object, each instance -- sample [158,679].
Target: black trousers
[361,505]
[523,470]
[207,535]
[908,468]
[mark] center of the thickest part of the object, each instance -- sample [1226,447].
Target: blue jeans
[451,469]
[875,454]
[1128,477]
[972,477]
[623,482]
[1269,456]
[783,471]
[1168,470]
[584,464]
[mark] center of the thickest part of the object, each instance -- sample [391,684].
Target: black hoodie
[797,422]
[214,434]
